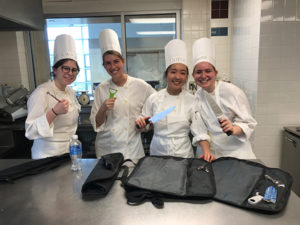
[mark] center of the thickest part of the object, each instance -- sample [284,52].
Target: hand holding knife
[157,116]
[216,109]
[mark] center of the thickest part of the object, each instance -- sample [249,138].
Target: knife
[159,116]
[216,109]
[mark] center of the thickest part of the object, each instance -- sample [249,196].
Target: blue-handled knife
[159,116]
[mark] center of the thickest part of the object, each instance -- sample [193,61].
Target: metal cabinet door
[290,160]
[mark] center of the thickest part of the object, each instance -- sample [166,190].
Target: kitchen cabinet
[13,143]
[291,155]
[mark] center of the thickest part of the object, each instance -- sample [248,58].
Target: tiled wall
[195,24]
[245,46]
[223,46]
[278,94]
[265,64]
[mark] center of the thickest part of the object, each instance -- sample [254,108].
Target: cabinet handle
[292,141]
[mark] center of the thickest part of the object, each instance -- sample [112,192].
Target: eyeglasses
[67,69]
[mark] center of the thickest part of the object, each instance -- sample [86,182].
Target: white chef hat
[204,51]
[109,41]
[175,52]
[64,48]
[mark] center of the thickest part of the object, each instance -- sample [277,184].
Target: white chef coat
[53,139]
[234,104]
[171,134]
[118,132]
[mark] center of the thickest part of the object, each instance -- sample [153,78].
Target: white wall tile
[279,78]
[196,25]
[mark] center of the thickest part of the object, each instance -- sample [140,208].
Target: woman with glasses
[117,103]
[53,109]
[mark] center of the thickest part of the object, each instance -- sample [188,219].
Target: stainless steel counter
[54,197]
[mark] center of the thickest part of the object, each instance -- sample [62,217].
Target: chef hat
[109,41]
[204,51]
[175,52]
[64,48]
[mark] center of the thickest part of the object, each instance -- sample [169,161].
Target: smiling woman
[65,72]
[227,132]
[171,134]
[114,112]
[53,108]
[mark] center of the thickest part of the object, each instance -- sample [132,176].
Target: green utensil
[112,92]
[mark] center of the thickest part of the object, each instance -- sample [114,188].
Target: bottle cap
[75,137]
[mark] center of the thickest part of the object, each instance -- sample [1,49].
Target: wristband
[54,112]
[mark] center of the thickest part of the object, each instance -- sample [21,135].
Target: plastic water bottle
[75,153]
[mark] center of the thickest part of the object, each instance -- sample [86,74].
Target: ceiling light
[152,20]
[155,32]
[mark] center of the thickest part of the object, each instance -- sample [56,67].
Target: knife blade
[216,109]
[159,116]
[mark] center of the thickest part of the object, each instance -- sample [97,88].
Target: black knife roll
[102,177]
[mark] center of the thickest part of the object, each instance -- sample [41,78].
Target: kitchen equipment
[255,199]
[153,83]
[17,16]
[159,116]
[216,109]
[270,194]
[13,103]
[48,93]
[290,155]
[277,182]
[112,92]
[84,99]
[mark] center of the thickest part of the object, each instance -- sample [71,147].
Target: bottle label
[75,150]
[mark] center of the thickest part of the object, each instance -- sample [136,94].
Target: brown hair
[214,68]
[112,52]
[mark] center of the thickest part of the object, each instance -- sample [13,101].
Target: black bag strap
[32,167]
[137,197]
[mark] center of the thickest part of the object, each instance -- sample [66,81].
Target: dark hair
[61,62]
[214,68]
[167,70]
[112,52]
